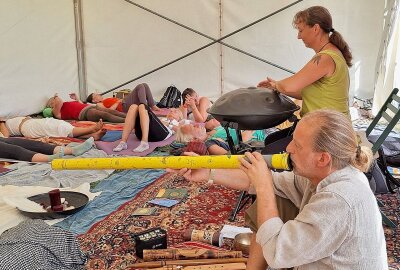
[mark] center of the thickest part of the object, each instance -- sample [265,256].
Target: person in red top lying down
[76,110]
[141,94]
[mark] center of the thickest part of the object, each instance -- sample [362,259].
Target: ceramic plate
[76,199]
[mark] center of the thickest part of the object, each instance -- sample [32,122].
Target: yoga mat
[133,142]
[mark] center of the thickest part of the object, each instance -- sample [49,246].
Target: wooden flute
[221,266]
[186,262]
[151,255]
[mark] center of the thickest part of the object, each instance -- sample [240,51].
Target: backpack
[390,150]
[172,98]
[380,179]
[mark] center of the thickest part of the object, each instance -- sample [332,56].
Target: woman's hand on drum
[268,83]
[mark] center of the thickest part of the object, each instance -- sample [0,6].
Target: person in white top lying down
[48,127]
[323,214]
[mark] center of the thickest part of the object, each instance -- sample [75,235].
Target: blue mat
[112,136]
[117,189]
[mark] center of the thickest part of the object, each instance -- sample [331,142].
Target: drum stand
[242,147]
[244,197]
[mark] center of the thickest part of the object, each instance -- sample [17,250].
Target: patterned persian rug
[108,242]
[392,210]
[109,245]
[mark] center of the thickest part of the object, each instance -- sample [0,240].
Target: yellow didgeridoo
[276,161]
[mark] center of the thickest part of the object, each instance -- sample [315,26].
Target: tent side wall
[122,42]
[37,52]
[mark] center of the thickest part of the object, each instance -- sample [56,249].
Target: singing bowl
[242,242]
[253,108]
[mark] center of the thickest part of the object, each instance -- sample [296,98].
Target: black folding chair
[391,113]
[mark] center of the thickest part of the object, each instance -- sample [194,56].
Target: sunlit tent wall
[387,70]
[65,46]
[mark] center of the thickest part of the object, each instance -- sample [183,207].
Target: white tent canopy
[121,41]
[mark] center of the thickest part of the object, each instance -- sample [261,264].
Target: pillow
[47,112]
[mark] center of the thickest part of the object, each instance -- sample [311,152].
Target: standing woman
[324,81]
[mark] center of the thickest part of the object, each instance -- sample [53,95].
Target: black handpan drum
[253,108]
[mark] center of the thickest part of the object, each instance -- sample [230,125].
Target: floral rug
[109,246]
[108,243]
[392,210]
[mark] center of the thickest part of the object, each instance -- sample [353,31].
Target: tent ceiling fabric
[38,49]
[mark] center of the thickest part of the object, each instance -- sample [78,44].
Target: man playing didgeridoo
[323,215]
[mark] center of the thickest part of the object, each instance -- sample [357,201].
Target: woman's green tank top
[329,92]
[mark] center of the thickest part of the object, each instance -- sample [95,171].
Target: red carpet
[392,210]
[109,245]
[108,242]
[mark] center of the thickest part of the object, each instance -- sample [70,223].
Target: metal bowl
[76,199]
[242,242]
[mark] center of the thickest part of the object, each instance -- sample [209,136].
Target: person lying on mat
[195,107]
[48,127]
[76,110]
[173,119]
[323,215]
[141,94]
[324,81]
[148,127]
[192,131]
[35,151]
[216,139]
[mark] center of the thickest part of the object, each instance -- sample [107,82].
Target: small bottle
[204,236]
[55,200]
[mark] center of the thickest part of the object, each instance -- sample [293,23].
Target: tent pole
[219,40]
[221,50]
[209,44]
[80,51]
